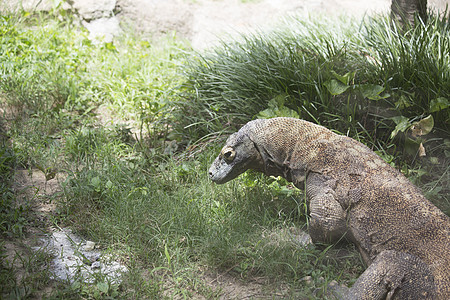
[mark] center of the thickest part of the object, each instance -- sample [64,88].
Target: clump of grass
[52,79]
[414,65]
[29,82]
[135,78]
[234,82]
[333,75]
[9,214]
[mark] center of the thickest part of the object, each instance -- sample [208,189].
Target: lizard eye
[228,154]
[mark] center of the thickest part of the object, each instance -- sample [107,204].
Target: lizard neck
[287,146]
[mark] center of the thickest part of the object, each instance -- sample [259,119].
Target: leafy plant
[413,64]
[335,78]
[277,109]
[416,130]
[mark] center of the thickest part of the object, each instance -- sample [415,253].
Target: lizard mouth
[222,172]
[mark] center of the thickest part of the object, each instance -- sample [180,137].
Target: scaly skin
[352,192]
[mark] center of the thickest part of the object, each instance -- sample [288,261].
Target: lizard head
[238,155]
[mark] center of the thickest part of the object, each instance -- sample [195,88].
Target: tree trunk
[404,11]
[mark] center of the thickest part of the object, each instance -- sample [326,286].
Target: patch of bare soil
[203,22]
[33,193]
[233,287]
[32,185]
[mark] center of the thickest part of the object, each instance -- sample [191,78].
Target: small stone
[93,255]
[96,265]
[103,29]
[333,283]
[307,280]
[89,246]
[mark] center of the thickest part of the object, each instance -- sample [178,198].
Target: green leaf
[109,184]
[447,153]
[287,112]
[402,124]
[166,253]
[56,3]
[96,181]
[439,104]
[277,109]
[75,285]
[266,114]
[423,126]
[278,101]
[371,91]
[110,46]
[403,102]
[345,79]
[103,287]
[434,160]
[335,87]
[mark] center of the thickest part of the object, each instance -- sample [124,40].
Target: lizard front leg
[394,275]
[327,218]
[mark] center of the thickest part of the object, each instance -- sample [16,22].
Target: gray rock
[104,29]
[92,10]
[27,5]
[89,246]
[71,260]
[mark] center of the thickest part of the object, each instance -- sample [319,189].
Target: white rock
[103,30]
[69,257]
[89,246]
[90,10]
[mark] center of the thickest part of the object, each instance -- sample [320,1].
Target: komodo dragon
[402,237]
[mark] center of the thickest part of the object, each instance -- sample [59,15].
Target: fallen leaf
[422,150]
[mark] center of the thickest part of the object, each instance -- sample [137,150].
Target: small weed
[25,274]
[7,276]
[12,216]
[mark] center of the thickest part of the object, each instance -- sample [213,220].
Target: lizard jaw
[221,172]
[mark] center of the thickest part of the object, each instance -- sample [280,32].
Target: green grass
[415,63]
[169,216]
[158,212]
[332,72]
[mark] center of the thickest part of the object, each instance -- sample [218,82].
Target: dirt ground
[203,22]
